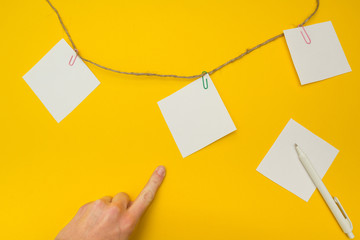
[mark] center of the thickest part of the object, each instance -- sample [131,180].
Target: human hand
[112,218]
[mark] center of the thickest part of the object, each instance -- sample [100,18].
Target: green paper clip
[203,82]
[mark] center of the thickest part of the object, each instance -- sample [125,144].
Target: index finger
[147,195]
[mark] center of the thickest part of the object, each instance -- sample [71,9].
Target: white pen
[333,203]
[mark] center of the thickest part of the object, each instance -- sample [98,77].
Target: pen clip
[343,211]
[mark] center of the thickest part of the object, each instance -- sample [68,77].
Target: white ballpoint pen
[333,203]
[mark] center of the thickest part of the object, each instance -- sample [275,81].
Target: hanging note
[316,52]
[196,116]
[60,86]
[282,165]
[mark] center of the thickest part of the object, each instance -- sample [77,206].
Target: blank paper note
[322,58]
[282,165]
[196,116]
[59,86]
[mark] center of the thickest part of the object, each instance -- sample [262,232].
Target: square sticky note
[196,116]
[322,58]
[59,86]
[282,165]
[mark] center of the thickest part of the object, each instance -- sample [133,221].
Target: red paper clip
[72,63]
[309,40]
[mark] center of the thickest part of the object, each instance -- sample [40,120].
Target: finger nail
[161,171]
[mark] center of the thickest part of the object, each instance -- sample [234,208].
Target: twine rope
[174,75]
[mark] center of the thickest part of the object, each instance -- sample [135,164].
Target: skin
[112,218]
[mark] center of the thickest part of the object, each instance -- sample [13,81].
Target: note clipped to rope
[316,52]
[282,165]
[196,116]
[60,86]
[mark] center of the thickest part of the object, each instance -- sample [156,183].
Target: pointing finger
[147,195]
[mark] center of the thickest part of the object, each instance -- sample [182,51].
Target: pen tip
[296,145]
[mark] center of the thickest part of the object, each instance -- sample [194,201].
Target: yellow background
[115,138]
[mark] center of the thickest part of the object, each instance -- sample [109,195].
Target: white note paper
[59,86]
[322,58]
[196,116]
[282,165]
